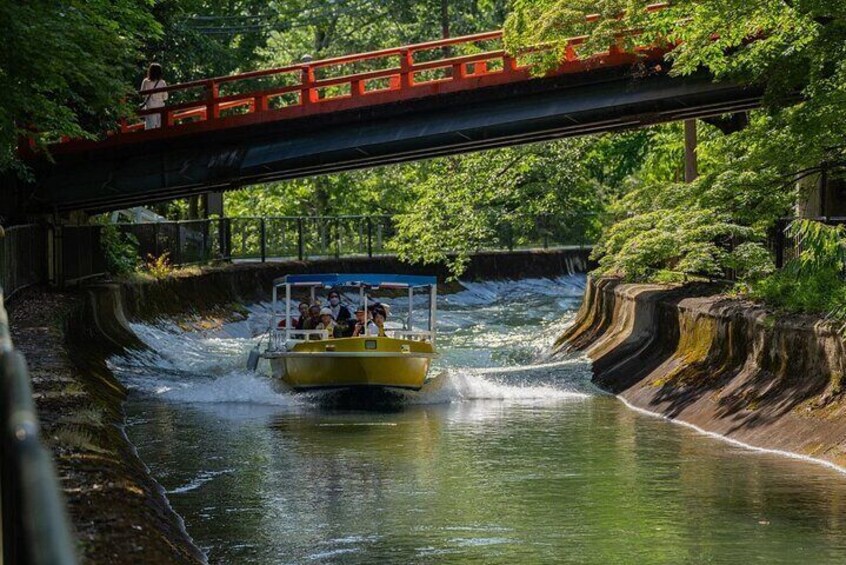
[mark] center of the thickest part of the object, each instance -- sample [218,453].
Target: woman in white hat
[327,322]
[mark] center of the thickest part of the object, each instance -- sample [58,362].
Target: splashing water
[505,456]
[492,338]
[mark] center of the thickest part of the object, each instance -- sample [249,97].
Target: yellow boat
[311,359]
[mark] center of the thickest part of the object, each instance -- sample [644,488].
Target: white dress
[151,101]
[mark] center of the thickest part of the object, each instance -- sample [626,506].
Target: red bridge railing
[355,81]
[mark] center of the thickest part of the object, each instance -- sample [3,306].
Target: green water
[521,464]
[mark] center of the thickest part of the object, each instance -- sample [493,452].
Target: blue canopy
[357,280]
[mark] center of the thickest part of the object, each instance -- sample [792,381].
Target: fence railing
[23,262]
[783,246]
[307,237]
[66,255]
[35,529]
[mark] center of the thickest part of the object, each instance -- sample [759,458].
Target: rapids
[505,456]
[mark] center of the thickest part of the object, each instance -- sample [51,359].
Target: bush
[120,250]
[159,267]
[819,292]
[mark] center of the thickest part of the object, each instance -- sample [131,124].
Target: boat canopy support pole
[409,325]
[273,311]
[287,313]
[433,308]
[366,320]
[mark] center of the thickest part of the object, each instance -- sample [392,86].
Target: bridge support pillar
[213,204]
[691,166]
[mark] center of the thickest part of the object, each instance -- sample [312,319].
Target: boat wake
[486,356]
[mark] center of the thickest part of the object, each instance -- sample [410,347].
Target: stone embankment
[119,513]
[722,364]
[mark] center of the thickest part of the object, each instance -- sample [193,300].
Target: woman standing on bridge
[157,99]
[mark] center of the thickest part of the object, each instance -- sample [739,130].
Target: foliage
[820,292]
[507,198]
[159,267]
[812,282]
[64,67]
[119,249]
[822,247]
[799,48]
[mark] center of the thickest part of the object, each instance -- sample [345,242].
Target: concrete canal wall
[724,365]
[214,287]
[119,513]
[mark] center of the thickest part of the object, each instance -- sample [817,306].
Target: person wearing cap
[360,323]
[327,323]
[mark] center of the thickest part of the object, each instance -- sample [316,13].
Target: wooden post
[406,65]
[212,109]
[691,167]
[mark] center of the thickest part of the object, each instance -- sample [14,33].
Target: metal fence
[783,247]
[35,529]
[80,253]
[261,239]
[309,237]
[23,254]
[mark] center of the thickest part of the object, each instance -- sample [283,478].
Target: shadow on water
[378,400]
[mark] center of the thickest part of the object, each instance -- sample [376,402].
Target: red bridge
[394,105]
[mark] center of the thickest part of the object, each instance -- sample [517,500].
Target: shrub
[120,250]
[159,267]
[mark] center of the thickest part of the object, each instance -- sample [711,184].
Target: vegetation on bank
[720,223]
[624,189]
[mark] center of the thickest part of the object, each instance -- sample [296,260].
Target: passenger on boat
[327,322]
[376,327]
[340,312]
[360,323]
[303,308]
[313,319]
[343,318]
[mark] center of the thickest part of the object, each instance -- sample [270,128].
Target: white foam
[234,388]
[732,441]
[459,386]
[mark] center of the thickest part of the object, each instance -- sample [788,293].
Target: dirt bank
[724,365]
[119,514]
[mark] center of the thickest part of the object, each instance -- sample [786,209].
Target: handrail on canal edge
[35,528]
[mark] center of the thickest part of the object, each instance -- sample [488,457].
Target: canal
[504,457]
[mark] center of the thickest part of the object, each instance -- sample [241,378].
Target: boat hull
[354,363]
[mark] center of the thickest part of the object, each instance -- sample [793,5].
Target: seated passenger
[360,323]
[327,322]
[343,318]
[303,308]
[313,319]
[376,327]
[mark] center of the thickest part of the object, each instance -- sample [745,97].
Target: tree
[795,50]
[65,68]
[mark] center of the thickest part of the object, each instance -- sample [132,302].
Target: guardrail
[363,79]
[266,239]
[35,529]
